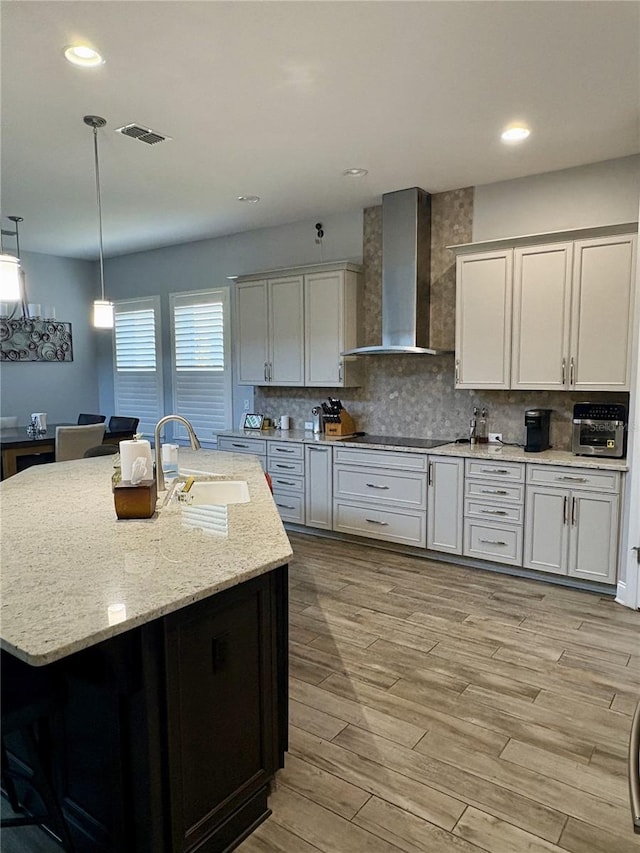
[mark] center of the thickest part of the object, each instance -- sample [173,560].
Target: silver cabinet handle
[572,371]
[339,371]
[285,483]
[634,770]
[636,548]
[430,476]
[285,506]
[270,372]
[284,450]
[574,513]
[266,375]
[494,491]
[280,465]
[492,542]
[233,444]
[564,370]
[493,512]
[574,479]
[376,486]
[565,510]
[495,470]
[457,370]
[375,521]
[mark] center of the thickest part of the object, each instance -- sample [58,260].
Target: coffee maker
[537,422]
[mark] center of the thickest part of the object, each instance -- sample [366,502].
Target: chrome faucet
[193,438]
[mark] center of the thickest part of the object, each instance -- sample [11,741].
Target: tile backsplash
[414,395]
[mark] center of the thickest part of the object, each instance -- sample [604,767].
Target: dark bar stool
[30,695]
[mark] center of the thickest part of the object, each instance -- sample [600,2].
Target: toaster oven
[599,429]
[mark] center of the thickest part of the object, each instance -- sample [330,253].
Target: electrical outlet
[246,405]
[308,425]
[495,437]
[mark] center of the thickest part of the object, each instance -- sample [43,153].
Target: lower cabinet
[255,446]
[494,510]
[445,498]
[286,467]
[319,487]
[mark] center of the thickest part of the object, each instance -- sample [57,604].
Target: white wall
[597,194]
[207,263]
[62,389]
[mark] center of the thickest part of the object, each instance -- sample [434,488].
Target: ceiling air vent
[144,134]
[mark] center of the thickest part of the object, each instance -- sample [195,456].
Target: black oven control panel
[599,412]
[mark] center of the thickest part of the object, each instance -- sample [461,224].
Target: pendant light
[102,308]
[10,270]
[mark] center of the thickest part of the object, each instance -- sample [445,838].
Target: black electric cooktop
[398,441]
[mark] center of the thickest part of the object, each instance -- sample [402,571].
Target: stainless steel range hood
[406,261]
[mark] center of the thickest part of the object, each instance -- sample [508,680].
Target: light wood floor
[439,709]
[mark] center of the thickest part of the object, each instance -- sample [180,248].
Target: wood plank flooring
[440,709]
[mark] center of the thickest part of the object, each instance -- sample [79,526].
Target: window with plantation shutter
[138,361]
[201,362]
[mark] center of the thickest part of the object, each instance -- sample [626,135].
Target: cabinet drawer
[390,525]
[402,489]
[573,478]
[290,505]
[485,469]
[287,483]
[285,466]
[284,450]
[242,445]
[499,543]
[492,491]
[380,458]
[488,511]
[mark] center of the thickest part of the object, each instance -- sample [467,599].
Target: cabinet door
[546,538]
[324,328]
[252,350]
[445,504]
[319,487]
[541,316]
[221,708]
[602,313]
[286,330]
[483,319]
[593,542]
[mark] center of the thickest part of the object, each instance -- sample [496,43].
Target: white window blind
[201,362]
[138,361]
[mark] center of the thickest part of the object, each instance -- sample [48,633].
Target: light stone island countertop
[66,559]
[484,451]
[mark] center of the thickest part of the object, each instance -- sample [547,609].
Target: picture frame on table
[252,421]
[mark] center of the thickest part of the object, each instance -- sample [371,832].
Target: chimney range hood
[406,280]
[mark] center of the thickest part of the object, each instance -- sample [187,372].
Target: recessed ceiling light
[250,199]
[515,133]
[83,55]
[355,173]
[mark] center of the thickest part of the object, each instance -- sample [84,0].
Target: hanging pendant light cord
[95,152]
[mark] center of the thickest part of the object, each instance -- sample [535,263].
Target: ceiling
[276,99]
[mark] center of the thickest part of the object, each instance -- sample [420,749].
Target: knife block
[345,427]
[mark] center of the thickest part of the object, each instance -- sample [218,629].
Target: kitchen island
[172,646]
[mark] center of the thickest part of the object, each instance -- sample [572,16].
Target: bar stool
[29,696]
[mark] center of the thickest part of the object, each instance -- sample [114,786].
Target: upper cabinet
[292,329]
[548,316]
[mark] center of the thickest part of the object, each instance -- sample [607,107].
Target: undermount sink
[217,493]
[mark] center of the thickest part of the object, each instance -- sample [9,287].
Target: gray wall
[207,263]
[60,389]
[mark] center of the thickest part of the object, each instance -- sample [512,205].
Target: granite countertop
[67,560]
[484,451]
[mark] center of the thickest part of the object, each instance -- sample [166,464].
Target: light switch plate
[495,437]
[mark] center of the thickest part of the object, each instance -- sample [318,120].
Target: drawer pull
[375,521]
[285,506]
[493,542]
[574,515]
[284,450]
[233,444]
[495,470]
[285,483]
[494,491]
[565,510]
[376,486]
[574,479]
[280,465]
[494,512]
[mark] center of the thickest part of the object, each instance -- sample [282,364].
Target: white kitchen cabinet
[569,530]
[541,316]
[270,344]
[483,319]
[319,486]
[445,495]
[603,284]
[330,328]
[546,316]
